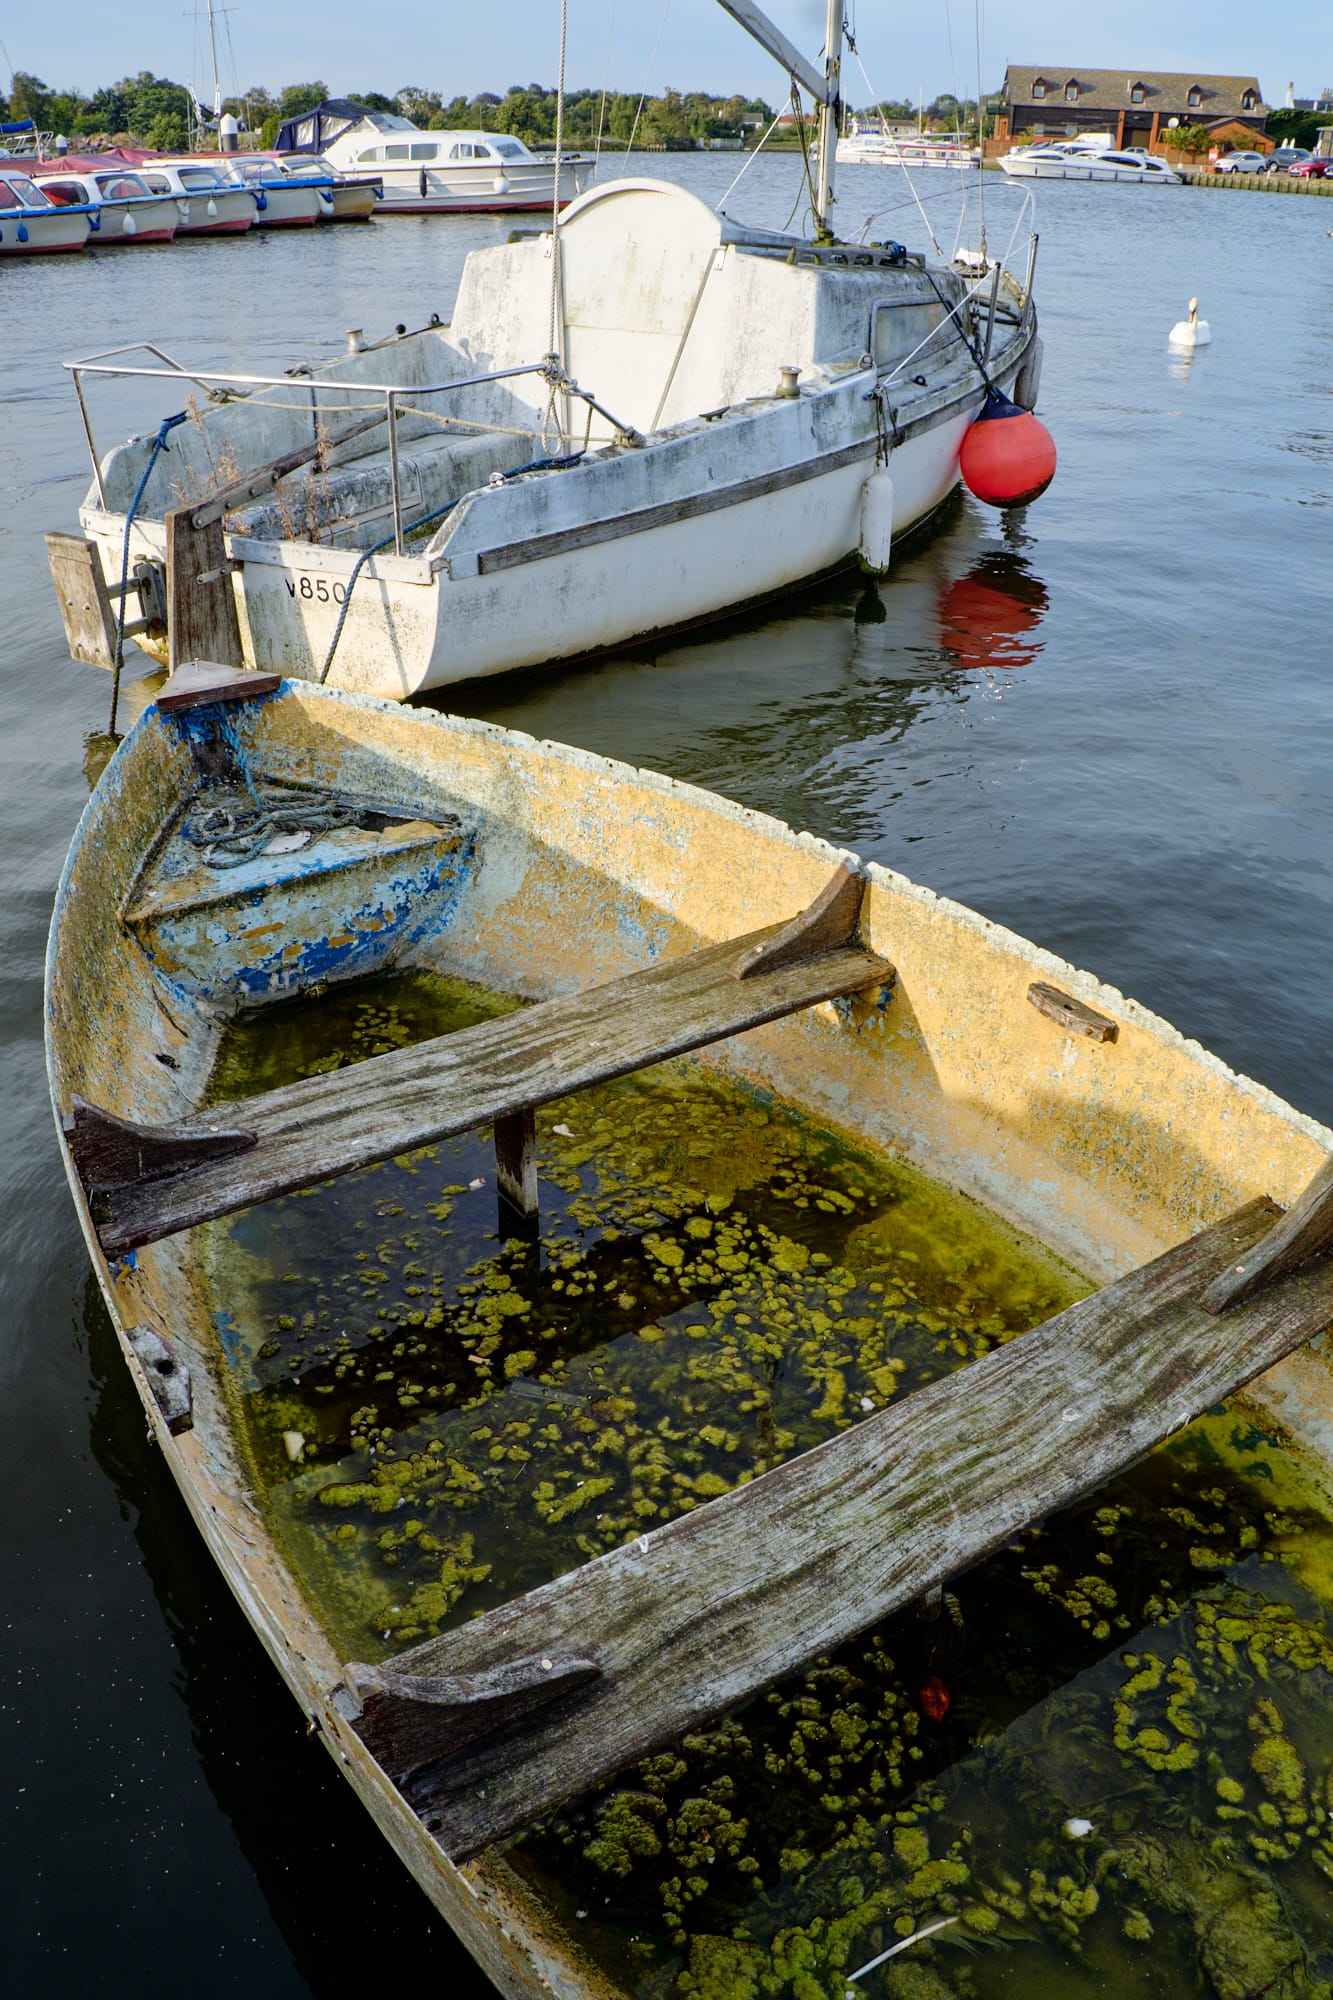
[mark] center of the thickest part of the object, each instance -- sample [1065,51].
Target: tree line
[156,112]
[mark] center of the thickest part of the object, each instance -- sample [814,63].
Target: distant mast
[213,52]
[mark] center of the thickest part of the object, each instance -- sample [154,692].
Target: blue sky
[454,45]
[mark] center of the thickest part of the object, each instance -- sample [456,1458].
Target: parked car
[1313,169]
[1285,158]
[1242,163]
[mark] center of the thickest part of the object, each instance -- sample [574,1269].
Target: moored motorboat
[867,143]
[124,207]
[599,894]
[432,173]
[208,205]
[30,222]
[1082,162]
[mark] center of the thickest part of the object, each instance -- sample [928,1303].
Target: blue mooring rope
[537,465]
[159,445]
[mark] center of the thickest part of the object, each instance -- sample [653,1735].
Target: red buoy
[1008,455]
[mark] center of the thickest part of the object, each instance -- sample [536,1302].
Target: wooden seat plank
[326,1125]
[696,1616]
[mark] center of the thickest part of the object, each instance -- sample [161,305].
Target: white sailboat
[639,418]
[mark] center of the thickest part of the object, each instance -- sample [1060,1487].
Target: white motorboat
[353,199]
[207,204]
[636,420]
[282,201]
[1074,162]
[124,208]
[434,173]
[31,222]
[867,144]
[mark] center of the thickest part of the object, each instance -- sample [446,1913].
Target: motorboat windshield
[17,191]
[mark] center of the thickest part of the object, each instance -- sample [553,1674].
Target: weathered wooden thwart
[658,1636]
[146,1182]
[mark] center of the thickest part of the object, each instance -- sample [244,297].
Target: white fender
[129,227]
[1028,385]
[877,521]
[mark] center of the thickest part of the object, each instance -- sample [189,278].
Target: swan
[1191,332]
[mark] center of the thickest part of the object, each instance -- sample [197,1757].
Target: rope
[378,548]
[229,836]
[159,445]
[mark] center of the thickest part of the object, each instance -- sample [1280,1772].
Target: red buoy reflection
[987,615]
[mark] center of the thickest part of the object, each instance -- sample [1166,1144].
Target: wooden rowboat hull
[1110,1145]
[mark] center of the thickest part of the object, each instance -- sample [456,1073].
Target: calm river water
[1108,724]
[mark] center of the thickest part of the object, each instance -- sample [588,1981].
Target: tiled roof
[1166,91]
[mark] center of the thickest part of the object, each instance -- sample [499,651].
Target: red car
[1315,170]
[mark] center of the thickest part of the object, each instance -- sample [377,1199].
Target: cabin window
[467,151]
[1071,93]
[1136,93]
[509,149]
[125,189]
[159,184]
[62,193]
[898,330]
[371,154]
[397,152]
[195,178]
[424,152]
[1195,98]
[20,192]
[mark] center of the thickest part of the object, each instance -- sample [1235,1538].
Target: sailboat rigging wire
[939,249]
[606,86]
[643,95]
[750,159]
[981,117]
[551,426]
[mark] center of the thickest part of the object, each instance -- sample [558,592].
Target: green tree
[417,104]
[299,97]
[29,97]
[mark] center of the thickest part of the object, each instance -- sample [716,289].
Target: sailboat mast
[830,119]
[213,50]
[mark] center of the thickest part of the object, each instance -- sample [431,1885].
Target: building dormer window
[1136,93]
[1247,101]
[1071,92]
[1039,89]
[1195,98]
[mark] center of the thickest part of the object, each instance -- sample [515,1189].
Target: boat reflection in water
[990,615]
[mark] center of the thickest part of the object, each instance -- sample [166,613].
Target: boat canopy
[314,130]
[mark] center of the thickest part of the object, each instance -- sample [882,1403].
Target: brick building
[1134,109]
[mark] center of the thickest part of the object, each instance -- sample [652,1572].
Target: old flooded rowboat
[252,843]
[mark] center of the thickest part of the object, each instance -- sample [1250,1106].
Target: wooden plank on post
[323,1126]
[696,1616]
[201,603]
[81,592]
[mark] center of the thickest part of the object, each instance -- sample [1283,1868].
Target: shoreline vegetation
[154,111]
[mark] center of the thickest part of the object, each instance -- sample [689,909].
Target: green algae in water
[718,1284]
[1129,1793]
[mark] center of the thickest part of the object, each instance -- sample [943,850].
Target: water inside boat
[1098,1763]
[443,1418]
